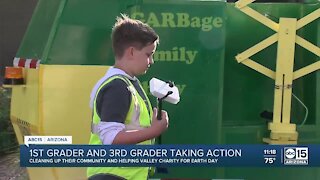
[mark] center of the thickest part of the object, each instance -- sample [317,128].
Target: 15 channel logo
[296,156]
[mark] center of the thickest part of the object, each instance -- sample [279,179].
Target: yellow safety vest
[138,117]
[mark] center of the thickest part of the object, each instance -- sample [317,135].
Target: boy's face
[143,59]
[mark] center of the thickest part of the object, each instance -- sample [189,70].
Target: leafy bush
[4,108]
[7,138]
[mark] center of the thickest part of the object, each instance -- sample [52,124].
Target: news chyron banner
[68,155]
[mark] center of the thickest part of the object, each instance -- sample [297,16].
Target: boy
[122,112]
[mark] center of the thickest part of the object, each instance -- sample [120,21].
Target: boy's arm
[137,136]
[112,107]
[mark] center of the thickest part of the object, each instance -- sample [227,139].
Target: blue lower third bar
[169,155]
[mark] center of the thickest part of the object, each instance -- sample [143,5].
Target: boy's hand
[159,126]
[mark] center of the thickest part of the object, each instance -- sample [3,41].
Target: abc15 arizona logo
[296,156]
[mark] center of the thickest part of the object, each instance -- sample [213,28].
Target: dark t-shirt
[113,100]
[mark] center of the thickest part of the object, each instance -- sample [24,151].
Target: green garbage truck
[67,48]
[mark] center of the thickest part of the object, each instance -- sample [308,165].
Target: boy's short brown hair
[130,32]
